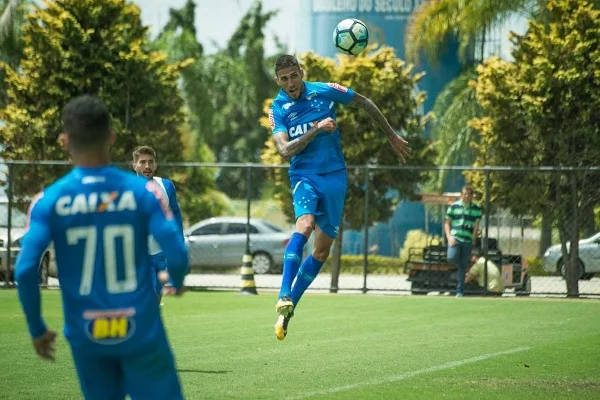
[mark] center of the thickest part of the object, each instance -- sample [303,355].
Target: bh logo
[110,330]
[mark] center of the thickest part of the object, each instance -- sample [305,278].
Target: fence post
[485,241]
[9,190]
[248,201]
[366,238]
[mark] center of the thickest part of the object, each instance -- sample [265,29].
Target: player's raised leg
[305,203]
[291,265]
[332,195]
[311,267]
[291,262]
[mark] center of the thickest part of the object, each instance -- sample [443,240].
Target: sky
[216,20]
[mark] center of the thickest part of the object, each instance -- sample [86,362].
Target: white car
[221,242]
[589,258]
[47,264]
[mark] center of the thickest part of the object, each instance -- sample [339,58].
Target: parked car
[221,242]
[589,258]
[18,218]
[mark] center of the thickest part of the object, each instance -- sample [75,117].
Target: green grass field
[345,347]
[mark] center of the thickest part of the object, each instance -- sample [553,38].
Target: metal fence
[392,236]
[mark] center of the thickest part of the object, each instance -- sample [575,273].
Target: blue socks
[291,262]
[306,275]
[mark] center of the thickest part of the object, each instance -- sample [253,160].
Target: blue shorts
[158,262]
[148,375]
[322,195]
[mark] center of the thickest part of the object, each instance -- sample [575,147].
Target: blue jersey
[168,189]
[99,220]
[295,117]
[171,193]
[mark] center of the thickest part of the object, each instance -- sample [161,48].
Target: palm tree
[12,18]
[428,32]
[432,25]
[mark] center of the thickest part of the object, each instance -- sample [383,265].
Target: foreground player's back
[99,221]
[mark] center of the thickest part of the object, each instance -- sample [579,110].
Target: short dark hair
[467,188]
[286,61]
[86,121]
[147,150]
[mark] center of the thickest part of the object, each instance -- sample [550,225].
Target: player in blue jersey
[305,132]
[99,218]
[144,164]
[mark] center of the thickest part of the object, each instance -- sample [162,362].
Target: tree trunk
[546,233]
[336,260]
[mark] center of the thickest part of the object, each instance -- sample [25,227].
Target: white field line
[408,375]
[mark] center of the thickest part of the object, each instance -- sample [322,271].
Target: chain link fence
[392,238]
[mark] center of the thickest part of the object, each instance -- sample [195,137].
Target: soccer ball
[351,36]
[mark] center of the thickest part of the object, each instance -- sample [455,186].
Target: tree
[431,27]
[97,47]
[238,99]
[225,91]
[435,23]
[390,83]
[539,110]
[199,197]
[453,108]
[12,18]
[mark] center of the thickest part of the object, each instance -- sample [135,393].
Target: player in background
[305,132]
[99,218]
[144,164]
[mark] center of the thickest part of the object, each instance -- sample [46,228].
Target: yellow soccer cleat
[285,306]
[281,327]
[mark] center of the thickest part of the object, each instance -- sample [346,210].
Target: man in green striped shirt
[462,226]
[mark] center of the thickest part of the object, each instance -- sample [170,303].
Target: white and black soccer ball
[351,36]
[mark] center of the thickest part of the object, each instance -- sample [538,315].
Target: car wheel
[262,263]
[44,267]
[562,269]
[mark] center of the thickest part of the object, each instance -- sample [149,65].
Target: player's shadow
[199,371]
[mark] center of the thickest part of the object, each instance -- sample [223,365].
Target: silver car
[18,218]
[221,242]
[589,258]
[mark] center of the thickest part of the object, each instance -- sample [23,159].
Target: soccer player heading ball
[305,132]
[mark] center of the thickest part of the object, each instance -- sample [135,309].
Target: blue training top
[168,189]
[99,220]
[295,117]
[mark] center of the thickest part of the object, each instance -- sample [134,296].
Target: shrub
[354,264]
[536,267]
[416,239]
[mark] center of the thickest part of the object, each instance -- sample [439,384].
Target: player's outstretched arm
[288,148]
[399,145]
[33,246]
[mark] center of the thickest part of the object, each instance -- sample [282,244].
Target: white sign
[377,6]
